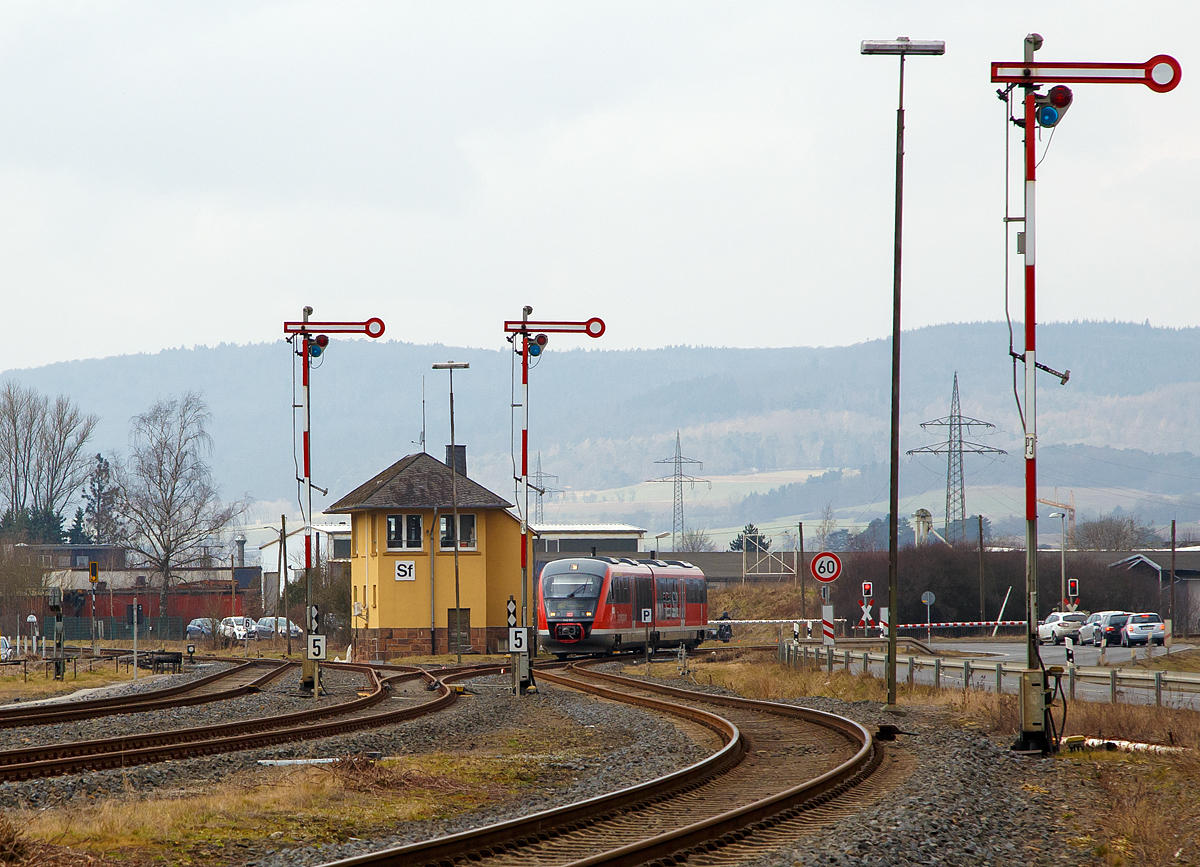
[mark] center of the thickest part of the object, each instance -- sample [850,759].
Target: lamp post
[1062,554]
[657,539]
[902,46]
[453,366]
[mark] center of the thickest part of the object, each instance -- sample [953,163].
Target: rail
[547,824]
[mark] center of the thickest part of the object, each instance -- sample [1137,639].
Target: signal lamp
[317,345]
[537,344]
[1053,105]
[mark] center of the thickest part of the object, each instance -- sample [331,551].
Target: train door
[643,600]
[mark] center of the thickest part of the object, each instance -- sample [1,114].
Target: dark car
[201,627]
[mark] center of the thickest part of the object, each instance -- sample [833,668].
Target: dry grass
[1180,660]
[299,805]
[13,844]
[13,686]
[1147,811]
[313,804]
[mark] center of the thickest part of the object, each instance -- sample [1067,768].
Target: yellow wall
[487,575]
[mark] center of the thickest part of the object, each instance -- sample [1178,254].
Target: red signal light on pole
[1053,105]
[537,344]
[317,345]
[1072,587]
[867,589]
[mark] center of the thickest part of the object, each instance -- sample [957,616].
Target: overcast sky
[694,173]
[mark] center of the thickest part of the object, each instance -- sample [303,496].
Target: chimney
[456,457]
[241,549]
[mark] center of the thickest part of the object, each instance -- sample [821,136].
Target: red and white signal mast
[1160,74]
[313,337]
[530,345]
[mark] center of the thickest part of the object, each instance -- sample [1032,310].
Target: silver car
[1143,628]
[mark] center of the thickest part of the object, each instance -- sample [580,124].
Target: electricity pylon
[953,447]
[678,478]
[538,483]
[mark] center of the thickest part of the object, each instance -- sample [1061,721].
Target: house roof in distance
[588,530]
[417,481]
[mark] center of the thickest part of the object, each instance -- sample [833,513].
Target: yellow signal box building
[402,561]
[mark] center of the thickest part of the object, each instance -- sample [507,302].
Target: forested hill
[601,418]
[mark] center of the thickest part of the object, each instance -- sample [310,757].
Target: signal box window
[404,532]
[466,532]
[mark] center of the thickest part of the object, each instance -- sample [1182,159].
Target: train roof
[629,561]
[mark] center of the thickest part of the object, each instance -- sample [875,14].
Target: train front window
[572,585]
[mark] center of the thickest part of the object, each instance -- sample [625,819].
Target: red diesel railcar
[602,605]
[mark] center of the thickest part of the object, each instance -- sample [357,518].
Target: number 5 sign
[826,566]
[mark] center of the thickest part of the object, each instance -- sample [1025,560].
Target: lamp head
[903,45]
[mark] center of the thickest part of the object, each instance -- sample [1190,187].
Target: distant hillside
[602,418]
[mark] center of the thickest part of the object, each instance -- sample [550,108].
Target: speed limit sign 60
[826,566]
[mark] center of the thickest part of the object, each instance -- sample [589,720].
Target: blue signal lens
[315,350]
[1047,115]
[534,350]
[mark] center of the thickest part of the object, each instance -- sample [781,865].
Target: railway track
[243,678]
[129,750]
[777,761]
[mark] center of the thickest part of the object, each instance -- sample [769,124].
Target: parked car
[1143,628]
[269,627]
[237,628]
[1096,628]
[1059,626]
[7,651]
[201,627]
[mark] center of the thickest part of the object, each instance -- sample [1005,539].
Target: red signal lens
[322,340]
[1060,96]
[541,340]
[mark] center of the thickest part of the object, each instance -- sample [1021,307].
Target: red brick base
[388,644]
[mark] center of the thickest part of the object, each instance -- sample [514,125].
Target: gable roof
[417,482]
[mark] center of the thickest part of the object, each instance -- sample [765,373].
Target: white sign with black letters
[316,647]
[406,570]
[516,640]
[647,615]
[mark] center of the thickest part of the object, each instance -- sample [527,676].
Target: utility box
[1032,702]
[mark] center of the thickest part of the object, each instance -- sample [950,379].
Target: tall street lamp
[453,366]
[1062,553]
[902,46]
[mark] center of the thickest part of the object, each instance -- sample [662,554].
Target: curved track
[207,740]
[242,679]
[750,782]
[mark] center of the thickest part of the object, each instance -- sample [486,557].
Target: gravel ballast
[968,801]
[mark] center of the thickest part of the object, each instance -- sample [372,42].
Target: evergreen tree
[751,539]
[77,534]
[100,498]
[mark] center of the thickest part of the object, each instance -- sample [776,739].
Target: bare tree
[695,541]
[826,528]
[61,461]
[41,449]
[21,411]
[165,491]
[1116,533]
